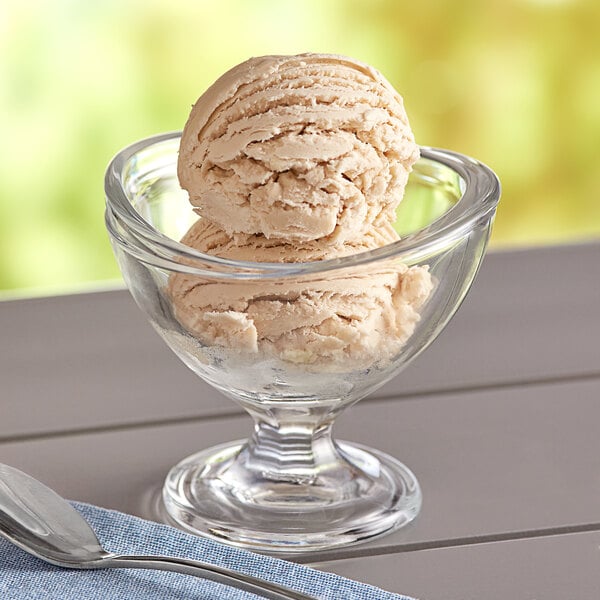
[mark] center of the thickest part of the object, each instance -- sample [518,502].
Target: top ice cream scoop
[298,148]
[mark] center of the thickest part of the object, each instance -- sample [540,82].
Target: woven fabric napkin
[23,577]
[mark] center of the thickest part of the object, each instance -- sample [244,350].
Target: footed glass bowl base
[357,494]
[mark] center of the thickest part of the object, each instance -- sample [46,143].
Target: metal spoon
[39,521]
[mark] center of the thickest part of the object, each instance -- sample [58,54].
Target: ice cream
[298,148]
[297,159]
[345,319]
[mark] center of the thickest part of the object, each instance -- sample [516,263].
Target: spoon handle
[269,590]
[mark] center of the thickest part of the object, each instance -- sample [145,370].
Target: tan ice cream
[297,159]
[347,318]
[298,148]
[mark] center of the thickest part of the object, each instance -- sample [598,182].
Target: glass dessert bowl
[294,344]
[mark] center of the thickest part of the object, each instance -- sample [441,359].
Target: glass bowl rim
[480,196]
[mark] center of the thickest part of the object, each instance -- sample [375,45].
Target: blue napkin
[23,577]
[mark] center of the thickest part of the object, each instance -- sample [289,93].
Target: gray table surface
[499,419]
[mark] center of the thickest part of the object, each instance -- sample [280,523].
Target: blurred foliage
[515,83]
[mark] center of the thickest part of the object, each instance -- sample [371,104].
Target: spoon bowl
[39,521]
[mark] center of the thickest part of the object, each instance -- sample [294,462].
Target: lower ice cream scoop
[350,319]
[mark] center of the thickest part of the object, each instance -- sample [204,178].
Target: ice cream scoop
[350,320]
[298,148]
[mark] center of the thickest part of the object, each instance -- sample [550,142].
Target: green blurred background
[515,83]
